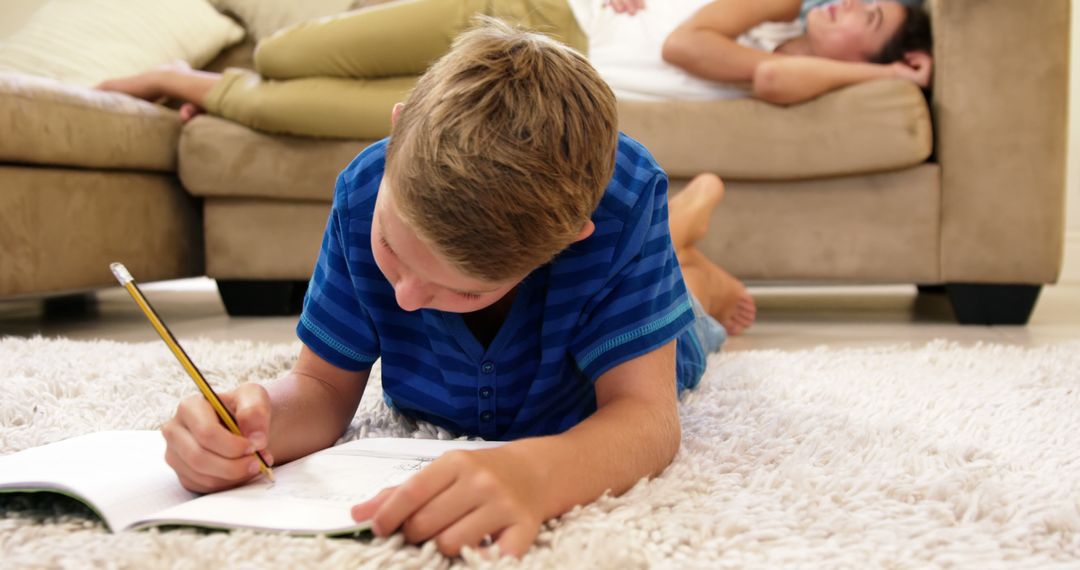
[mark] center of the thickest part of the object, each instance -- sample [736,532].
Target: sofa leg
[67,306]
[262,298]
[982,304]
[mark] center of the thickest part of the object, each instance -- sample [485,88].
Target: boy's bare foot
[732,303]
[742,315]
[148,85]
[690,211]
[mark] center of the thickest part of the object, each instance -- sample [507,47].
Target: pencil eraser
[121,273]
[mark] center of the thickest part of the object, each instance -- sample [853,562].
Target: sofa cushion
[873,127]
[52,123]
[61,227]
[222,158]
[262,18]
[870,127]
[879,228]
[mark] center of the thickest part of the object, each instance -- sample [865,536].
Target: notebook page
[313,495]
[122,474]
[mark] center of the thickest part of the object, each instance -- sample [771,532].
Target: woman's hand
[630,7]
[464,498]
[916,66]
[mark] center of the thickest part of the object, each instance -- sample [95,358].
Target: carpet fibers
[900,457]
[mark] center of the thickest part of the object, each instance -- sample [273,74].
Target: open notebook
[122,475]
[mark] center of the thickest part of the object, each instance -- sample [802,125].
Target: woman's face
[851,30]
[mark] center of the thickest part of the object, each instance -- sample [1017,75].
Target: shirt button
[485,392]
[486,416]
[487,367]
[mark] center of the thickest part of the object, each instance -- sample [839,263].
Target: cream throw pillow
[264,17]
[87,41]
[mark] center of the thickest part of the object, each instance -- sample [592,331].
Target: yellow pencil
[226,416]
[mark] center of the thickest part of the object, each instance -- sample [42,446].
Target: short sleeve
[644,303]
[333,323]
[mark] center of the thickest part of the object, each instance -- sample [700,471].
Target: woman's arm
[787,80]
[704,45]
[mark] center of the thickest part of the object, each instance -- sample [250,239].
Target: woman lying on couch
[759,48]
[340,77]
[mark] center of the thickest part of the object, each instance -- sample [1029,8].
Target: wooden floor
[789,318]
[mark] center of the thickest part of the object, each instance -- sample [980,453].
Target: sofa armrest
[1000,110]
[47,122]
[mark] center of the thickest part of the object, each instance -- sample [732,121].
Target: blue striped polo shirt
[614,296]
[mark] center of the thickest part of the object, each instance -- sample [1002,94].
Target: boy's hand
[462,499]
[208,457]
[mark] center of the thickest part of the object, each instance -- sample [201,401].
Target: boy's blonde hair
[503,151]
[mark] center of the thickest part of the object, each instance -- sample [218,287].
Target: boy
[509,295]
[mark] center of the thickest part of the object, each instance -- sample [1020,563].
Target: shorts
[710,333]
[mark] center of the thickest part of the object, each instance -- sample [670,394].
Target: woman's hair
[914,35]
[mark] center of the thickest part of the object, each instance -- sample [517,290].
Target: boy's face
[421,278]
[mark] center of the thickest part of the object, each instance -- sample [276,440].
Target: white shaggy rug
[939,456]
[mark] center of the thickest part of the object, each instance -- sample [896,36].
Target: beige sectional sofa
[869,184]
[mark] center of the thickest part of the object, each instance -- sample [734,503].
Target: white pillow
[264,17]
[87,41]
